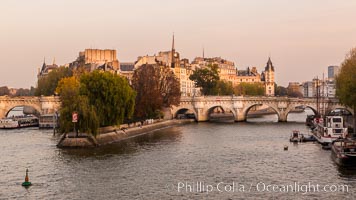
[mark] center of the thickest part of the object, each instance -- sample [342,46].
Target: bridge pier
[201,115]
[2,113]
[282,116]
[240,117]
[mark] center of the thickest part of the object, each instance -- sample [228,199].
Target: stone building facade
[92,59]
[45,69]
[181,68]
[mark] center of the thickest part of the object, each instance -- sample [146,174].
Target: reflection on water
[151,166]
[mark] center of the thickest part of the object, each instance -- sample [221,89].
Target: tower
[269,78]
[175,61]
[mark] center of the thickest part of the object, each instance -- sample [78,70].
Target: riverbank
[113,134]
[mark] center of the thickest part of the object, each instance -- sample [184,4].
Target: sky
[303,37]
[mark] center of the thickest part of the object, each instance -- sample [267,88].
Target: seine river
[194,161]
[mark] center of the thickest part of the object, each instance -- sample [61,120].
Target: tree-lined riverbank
[113,134]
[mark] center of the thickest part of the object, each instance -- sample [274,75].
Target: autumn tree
[157,87]
[346,83]
[207,78]
[47,85]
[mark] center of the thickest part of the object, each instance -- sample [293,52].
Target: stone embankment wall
[113,134]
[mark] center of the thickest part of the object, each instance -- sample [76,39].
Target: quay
[111,134]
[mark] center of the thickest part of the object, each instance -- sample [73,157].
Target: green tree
[110,94]
[346,83]
[4,90]
[71,100]
[207,78]
[22,92]
[47,85]
[251,89]
[293,93]
[223,88]
[281,91]
[157,87]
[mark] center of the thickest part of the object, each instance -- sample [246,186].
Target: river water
[194,161]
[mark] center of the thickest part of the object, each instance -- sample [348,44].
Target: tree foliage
[293,93]
[223,88]
[71,101]
[346,83]
[4,90]
[281,91]
[206,78]
[156,87]
[25,92]
[47,85]
[251,89]
[111,94]
[100,99]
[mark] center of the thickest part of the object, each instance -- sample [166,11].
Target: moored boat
[19,122]
[333,129]
[49,121]
[343,152]
[296,136]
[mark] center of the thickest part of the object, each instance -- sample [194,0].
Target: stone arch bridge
[43,104]
[200,106]
[239,105]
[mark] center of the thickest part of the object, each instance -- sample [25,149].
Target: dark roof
[127,66]
[269,65]
[105,67]
[246,72]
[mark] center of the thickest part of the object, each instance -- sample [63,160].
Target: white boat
[48,121]
[332,130]
[18,122]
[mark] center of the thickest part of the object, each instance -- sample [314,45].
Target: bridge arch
[10,108]
[225,109]
[184,110]
[340,107]
[251,105]
[6,109]
[293,106]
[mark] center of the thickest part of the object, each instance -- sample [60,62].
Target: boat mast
[317,98]
[323,101]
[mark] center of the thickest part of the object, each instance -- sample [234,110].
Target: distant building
[250,75]
[102,59]
[332,72]
[268,78]
[45,69]
[294,87]
[181,68]
[127,70]
[227,70]
[309,89]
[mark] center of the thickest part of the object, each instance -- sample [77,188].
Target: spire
[173,54]
[173,43]
[203,53]
[269,65]
[44,60]
[54,60]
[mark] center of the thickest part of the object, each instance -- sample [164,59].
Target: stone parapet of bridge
[240,105]
[43,104]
